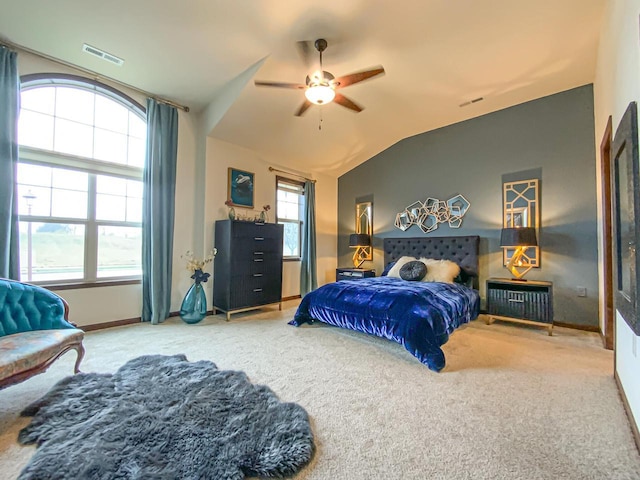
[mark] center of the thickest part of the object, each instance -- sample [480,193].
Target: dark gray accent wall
[554,135]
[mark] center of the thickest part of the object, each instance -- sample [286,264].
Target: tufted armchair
[34,331]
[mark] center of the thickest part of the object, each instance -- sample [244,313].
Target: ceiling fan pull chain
[320,124]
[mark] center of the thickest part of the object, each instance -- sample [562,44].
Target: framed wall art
[240,187]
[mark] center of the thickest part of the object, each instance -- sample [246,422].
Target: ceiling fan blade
[298,86]
[356,77]
[345,102]
[303,108]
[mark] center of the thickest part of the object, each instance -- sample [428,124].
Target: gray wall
[553,136]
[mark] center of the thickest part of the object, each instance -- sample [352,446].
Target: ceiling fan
[321,86]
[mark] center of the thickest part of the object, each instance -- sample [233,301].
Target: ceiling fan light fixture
[320,94]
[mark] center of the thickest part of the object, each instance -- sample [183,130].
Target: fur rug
[161,417]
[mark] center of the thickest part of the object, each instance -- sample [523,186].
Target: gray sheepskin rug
[163,417]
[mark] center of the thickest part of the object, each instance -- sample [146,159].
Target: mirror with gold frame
[364,224]
[521,208]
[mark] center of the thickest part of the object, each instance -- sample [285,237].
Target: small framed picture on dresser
[240,187]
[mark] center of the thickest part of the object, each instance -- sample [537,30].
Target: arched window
[82,147]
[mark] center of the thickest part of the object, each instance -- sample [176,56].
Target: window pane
[68,203]
[110,115]
[119,251]
[75,104]
[137,126]
[111,207]
[73,138]
[111,185]
[291,239]
[134,210]
[34,201]
[35,130]
[134,188]
[40,99]
[34,175]
[137,150]
[69,179]
[57,251]
[110,146]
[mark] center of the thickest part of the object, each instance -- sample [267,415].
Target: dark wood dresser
[247,271]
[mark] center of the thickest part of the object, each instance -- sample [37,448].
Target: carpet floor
[512,402]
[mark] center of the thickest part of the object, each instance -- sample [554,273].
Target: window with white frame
[289,212]
[82,148]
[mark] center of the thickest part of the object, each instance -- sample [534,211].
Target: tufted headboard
[462,250]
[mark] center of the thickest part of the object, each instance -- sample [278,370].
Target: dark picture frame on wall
[240,187]
[626,205]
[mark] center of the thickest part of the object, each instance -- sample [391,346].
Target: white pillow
[395,270]
[440,270]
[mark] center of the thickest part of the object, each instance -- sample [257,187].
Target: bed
[419,315]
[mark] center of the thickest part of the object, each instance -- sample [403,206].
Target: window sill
[81,285]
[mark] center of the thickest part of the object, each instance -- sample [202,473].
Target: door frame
[608,320]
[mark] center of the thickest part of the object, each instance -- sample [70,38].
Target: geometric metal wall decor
[432,212]
[521,209]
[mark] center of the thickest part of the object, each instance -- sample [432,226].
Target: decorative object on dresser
[520,238]
[353,273]
[529,302]
[247,270]
[432,212]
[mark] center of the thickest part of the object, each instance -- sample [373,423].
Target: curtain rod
[96,76]
[271,169]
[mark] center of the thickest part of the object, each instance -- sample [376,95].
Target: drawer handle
[258,253]
[258,259]
[257,289]
[258,238]
[257,274]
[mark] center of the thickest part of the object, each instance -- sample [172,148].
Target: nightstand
[528,302]
[353,273]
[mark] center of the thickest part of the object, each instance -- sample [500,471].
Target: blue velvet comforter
[418,315]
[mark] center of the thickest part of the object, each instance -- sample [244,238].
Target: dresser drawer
[256,230]
[249,293]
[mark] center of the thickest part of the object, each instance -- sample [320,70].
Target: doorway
[607,236]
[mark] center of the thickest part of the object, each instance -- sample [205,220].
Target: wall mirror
[521,208]
[364,224]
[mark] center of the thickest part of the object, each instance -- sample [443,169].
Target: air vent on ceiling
[102,54]
[475,100]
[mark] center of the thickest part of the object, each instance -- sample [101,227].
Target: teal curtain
[9,110]
[308,267]
[158,206]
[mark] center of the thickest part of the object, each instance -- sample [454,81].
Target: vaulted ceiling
[437,54]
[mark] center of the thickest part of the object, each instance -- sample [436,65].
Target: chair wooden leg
[80,350]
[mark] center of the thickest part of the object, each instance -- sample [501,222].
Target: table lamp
[361,242]
[519,238]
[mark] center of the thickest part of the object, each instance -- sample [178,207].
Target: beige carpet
[512,403]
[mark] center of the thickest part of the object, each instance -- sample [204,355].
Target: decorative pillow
[395,270]
[389,266]
[413,271]
[440,270]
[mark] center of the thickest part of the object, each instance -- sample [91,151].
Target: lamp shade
[518,237]
[359,240]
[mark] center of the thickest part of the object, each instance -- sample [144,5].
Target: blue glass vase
[194,305]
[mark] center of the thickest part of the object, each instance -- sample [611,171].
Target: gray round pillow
[413,271]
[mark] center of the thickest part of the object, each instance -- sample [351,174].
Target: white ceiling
[437,54]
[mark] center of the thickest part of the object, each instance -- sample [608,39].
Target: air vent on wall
[475,100]
[102,54]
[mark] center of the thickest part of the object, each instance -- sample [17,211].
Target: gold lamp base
[360,255]
[515,263]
